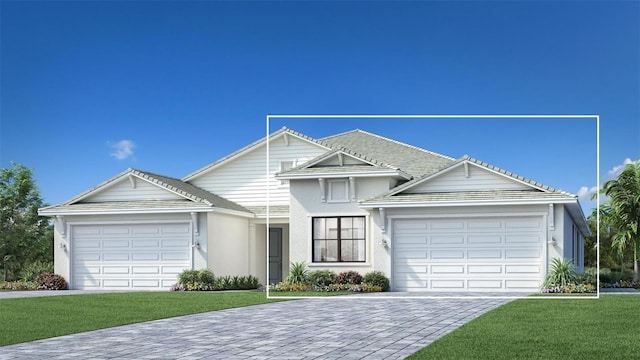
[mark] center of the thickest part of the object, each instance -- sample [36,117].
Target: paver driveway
[322,328]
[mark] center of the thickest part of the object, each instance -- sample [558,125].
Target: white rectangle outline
[536,296]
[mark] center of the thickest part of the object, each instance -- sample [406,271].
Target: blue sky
[89,89]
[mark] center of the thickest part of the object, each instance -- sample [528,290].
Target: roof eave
[407,204]
[70,212]
[333,175]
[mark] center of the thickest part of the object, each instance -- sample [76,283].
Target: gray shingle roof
[126,205]
[408,158]
[191,192]
[274,210]
[469,196]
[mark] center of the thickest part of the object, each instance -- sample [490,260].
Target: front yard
[29,319]
[547,329]
[522,329]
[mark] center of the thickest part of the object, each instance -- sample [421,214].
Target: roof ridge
[405,144]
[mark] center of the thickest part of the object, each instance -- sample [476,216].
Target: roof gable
[135,185]
[458,178]
[130,188]
[284,133]
[466,176]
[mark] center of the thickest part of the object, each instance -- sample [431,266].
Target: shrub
[571,288]
[17,285]
[588,277]
[50,281]
[188,277]
[348,277]
[298,273]
[194,280]
[289,286]
[34,269]
[204,280]
[376,278]
[561,273]
[206,276]
[224,283]
[321,278]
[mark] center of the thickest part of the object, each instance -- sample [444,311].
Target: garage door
[468,254]
[129,256]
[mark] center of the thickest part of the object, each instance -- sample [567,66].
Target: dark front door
[275,255]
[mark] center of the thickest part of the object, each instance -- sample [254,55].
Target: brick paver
[322,328]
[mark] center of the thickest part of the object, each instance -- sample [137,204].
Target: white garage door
[468,254]
[129,256]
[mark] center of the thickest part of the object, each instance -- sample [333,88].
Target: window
[338,191]
[339,239]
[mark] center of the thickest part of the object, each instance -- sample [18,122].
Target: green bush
[50,281]
[204,280]
[376,278]
[321,277]
[348,277]
[298,273]
[34,269]
[194,280]
[188,277]
[561,273]
[588,277]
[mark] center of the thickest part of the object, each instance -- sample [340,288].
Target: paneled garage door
[129,256]
[468,254]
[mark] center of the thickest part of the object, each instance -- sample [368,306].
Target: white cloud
[585,192]
[122,149]
[616,170]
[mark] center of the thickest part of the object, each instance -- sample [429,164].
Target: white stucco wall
[306,203]
[228,244]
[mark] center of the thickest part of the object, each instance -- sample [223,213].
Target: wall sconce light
[196,245]
[552,241]
[62,245]
[384,243]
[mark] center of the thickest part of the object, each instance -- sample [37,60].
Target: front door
[275,255]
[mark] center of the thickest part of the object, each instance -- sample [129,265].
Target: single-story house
[351,201]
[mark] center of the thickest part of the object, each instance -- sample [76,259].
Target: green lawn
[28,319]
[608,328]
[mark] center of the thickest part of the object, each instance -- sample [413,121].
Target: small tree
[622,211]
[24,235]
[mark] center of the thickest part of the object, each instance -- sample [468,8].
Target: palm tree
[623,211]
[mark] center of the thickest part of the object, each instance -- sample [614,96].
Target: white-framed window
[338,190]
[338,239]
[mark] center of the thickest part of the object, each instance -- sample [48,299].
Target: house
[352,201]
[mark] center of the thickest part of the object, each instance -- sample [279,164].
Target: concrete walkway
[321,328]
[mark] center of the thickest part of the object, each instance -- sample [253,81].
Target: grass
[547,329]
[28,319]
